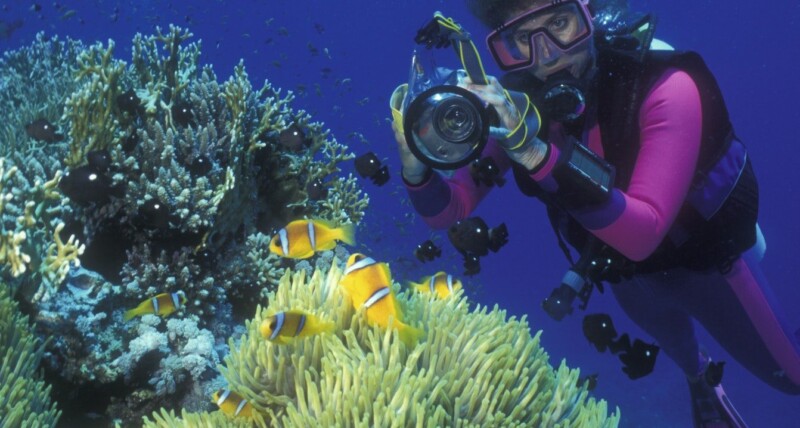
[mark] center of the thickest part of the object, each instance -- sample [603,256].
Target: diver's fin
[711,407]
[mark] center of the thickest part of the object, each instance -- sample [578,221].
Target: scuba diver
[632,152]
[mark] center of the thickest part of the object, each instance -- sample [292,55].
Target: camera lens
[455,119]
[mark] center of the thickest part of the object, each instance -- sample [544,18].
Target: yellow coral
[11,241]
[474,368]
[11,254]
[59,257]
[90,110]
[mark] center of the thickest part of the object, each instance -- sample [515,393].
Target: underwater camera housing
[445,125]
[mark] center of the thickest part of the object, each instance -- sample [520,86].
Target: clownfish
[442,284]
[232,404]
[162,305]
[301,239]
[283,327]
[368,283]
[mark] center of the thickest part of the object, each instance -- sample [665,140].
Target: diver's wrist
[415,176]
[530,154]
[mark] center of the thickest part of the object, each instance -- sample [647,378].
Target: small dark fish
[294,138]
[320,29]
[473,236]
[473,239]
[85,185]
[640,360]
[599,330]
[205,258]
[114,17]
[589,380]
[472,264]
[153,214]
[182,113]
[317,190]
[283,31]
[129,102]
[36,7]
[7,29]
[100,160]
[42,130]
[427,251]
[130,143]
[485,171]
[368,165]
[200,166]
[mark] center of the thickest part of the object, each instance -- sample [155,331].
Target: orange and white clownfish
[368,283]
[301,239]
[442,284]
[163,305]
[232,404]
[283,327]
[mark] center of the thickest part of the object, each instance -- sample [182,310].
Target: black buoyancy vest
[702,237]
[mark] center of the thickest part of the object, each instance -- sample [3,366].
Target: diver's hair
[494,13]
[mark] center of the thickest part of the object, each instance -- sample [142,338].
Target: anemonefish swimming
[162,305]
[283,327]
[368,283]
[441,283]
[232,404]
[300,239]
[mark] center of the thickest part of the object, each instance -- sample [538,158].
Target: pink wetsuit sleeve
[635,222]
[443,201]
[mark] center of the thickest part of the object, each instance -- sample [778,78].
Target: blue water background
[752,47]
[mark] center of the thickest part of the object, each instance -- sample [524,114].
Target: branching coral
[187,350]
[24,400]
[474,368]
[21,248]
[194,179]
[31,209]
[34,82]
[90,109]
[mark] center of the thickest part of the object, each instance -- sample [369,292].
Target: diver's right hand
[413,170]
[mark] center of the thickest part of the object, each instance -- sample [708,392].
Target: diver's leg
[739,310]
[646,300]
[657,311]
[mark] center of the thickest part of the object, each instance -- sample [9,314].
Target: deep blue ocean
[344,57]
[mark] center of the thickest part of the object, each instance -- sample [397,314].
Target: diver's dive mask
[541,34]
[445,126]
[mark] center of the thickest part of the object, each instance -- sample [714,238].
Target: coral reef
[166,179]
[24,399]
[32,210]
[474,368]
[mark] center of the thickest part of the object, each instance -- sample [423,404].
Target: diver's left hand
[494,94]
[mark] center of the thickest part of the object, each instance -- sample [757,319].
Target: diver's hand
[531,151]
[413,170]
[494,94]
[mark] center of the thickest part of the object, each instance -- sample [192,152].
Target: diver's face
[563,24]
